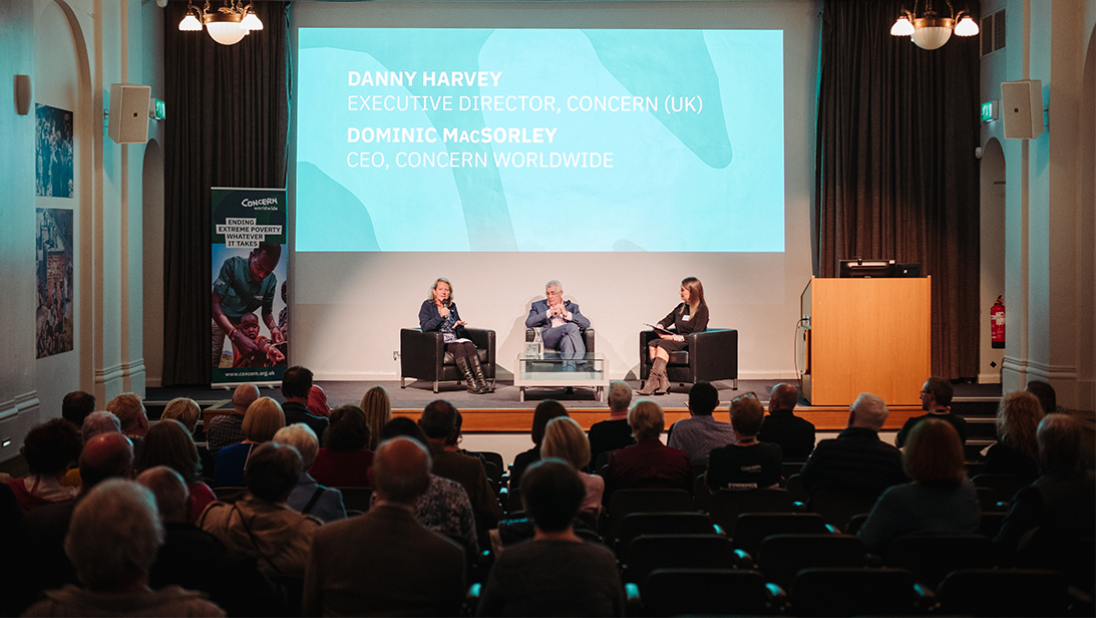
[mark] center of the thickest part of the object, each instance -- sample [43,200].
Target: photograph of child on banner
[246,282]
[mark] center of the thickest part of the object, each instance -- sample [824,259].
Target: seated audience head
[747,415]
[1059,437]
[783,397]
[868,412]
[703,399]
[170,490]
[51,448]
[184,410]
[107,455]
[552,492]
[402,426]
[114,535]
[438,419]
[273,472]
[131,412]
[1048,399]
[564,439]
[301,437]
[545,411]
[401,470]
[936,393]
[168,443]
[454,438]
[646,419]
[100,422]
[76,406]
[349,430]
[620,396]
[317,402]
[296,383]
[934,454]
[1018,418]
[243,397]
[378,411]
[263,419]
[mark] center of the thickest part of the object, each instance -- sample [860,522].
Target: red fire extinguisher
[997,323]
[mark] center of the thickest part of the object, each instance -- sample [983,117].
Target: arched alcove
[992,266]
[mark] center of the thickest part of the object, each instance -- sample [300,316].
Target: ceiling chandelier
[226,25]
[930,31]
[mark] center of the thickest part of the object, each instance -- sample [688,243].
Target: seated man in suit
[560,322]
[384,563]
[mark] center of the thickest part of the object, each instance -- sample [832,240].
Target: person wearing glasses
[561,322]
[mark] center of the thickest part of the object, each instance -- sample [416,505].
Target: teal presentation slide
[540,140]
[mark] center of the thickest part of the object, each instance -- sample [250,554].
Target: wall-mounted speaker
[127,120]
[22,94]
[1022,108]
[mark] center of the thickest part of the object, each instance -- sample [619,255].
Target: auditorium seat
[931,557]
[844,591]
[229,494]
[1004,592]
[423,356]
[624,502]
[752,528]
[685,591]
[712,355]
[356,498]
[726,505]
[838,507]
[782,556]
[662,551]
[1005,485]
[680,522]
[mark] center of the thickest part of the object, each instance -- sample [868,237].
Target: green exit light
[989,111]
[161,109]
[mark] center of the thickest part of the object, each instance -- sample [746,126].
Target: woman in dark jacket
[439,313]
[691,316]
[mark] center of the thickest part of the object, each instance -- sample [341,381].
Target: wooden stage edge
[520,420]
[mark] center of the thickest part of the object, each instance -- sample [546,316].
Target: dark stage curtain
[896,176]
[227,118]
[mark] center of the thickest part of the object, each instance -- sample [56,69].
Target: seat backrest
[676,592]
[781,556]
[356,498]
[658,551]
[1004,592]
[679,522]
[624,502]
[931,557]
[751,528]
[838,507]
[725,505]
[229,494]
[1006,485]
[794,485]
[843,591]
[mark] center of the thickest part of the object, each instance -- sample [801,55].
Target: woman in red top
[345,459]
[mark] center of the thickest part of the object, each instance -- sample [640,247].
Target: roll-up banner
[250,326]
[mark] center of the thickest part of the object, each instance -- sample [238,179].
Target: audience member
[699,434]
[556,573]
[100,422]
[196,560]
[613,433]
[445,507]
[1044,392]
[227,429]
[378,411]
[384,563]
[168,443]
[317,402]
[437,422]
[309,497]
[260,524]
[544,412]
[857,461]
[746,464]
[647,463]
[131,412]
[11,537]
[940,500]
[187,412]
[345,459]
[296,387]
[263,419]
[795,435]
[1049,522]
[936,397]
[1016,451]
[565,440]
[50,449]
[76,406]
[113,540]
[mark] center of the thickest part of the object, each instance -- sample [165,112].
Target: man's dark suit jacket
[297,413]
[383,563]
[794,435]
[856,461]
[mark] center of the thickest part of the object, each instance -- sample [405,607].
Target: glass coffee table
[550,370]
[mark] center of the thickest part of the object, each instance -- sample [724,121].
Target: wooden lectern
[865,335]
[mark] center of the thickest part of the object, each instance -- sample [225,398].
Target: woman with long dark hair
[691,316]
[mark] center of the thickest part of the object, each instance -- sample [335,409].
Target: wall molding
[19,404]
[109,374]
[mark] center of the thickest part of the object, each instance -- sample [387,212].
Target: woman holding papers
[691,316]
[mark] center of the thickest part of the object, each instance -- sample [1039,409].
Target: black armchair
[587,338]
[423,356]
[712,355]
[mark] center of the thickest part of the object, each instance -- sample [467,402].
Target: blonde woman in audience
[1016,450]
[378,411]
[309,497]
[186,411]
[940,500]
[264,417]
[168,443]
[564,439]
